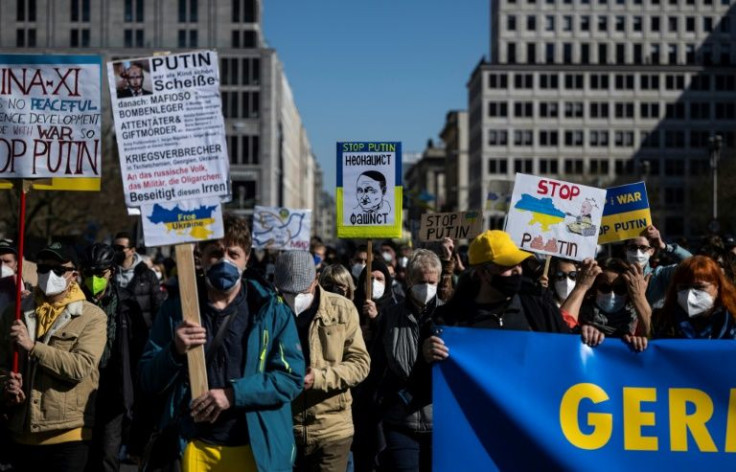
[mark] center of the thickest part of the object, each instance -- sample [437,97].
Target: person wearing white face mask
[60,340]
[564,274]
[336,360]
[609,301]
[700,303]
[405,418]
[640,249]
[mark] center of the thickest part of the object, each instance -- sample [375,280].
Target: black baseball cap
[7,247]
[58,252]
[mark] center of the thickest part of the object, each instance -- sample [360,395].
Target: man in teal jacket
[255,366]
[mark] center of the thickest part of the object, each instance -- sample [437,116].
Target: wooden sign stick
[188,294]
[369,271]
[546,265]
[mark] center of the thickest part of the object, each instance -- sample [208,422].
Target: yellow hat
[497,247]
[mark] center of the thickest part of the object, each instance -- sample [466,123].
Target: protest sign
[499,195]
[501,402]
[369,192]
[625,214]
[169,126]
[183,221]
[281,228]
[50,116]
[556,218]
[458,225]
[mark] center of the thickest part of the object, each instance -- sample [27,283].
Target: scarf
[47,313]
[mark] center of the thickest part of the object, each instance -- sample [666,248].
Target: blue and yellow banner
[507,400]
[369,192]
[626,213]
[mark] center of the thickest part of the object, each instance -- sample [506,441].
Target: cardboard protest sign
[626,213]
[281,228]
[50,116]
[499,195]
[458,225]
[169,126]
[369,193]
[553,217]
[183,221]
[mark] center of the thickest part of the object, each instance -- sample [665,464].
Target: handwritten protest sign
[50,120]
[499,195]
[459,225]
[281,228]
[169,126]
[183,221]
[369,192]
[626,213]
[553,217]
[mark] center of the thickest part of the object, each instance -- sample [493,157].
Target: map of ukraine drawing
[542,210]
[196,221]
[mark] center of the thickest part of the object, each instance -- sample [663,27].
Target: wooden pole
[190,311]
[546,265]
[369,271]
[25,185]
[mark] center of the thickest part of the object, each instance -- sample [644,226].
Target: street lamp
[714,145]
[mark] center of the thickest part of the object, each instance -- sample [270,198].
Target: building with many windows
[607,91]
[271,160]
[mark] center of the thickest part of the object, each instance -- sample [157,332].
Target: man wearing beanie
[337,360]
[492,295]
[60,339]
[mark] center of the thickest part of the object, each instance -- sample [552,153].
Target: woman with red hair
[700,303]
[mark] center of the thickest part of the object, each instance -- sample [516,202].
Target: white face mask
[637,257]
[563,288]
[158,274]
[610,302]
[299,302]
[377,289]
[356,269]
[5,271]
[695,302]
[302,302]
[423,293]
[51,284]
[403,261]
[387,256]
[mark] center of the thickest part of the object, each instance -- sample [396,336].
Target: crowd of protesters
[313,362]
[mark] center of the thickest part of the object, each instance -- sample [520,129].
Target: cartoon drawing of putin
[370,190]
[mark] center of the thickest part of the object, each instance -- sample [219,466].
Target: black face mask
[508,286]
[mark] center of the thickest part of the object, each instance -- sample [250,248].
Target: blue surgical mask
[223,275]
[610,302]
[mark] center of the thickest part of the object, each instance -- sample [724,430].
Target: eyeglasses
[119,247]
[634,247]
[618,289]
[95,272]
[695,285]
[572,275]
[338,289]
[58,270]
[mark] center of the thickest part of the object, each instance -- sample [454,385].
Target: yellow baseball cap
[497,247]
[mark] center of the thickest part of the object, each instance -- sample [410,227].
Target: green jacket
[273,375]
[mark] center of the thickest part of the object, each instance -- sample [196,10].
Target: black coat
[146,289]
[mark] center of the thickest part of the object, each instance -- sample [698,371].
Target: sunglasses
[119,248]
[634,247]
[572,275]
[95,272]
[340,290]
[58,270]
[617,289]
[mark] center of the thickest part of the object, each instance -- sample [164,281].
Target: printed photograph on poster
[50,116]
[169,127]
[184,221]
[133,78]
[553,217]
[281,228]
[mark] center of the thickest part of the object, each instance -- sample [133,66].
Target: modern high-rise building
[271,160]
[604,92]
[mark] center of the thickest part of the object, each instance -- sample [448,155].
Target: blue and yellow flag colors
[508,400]
[626,213]
[369,193]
